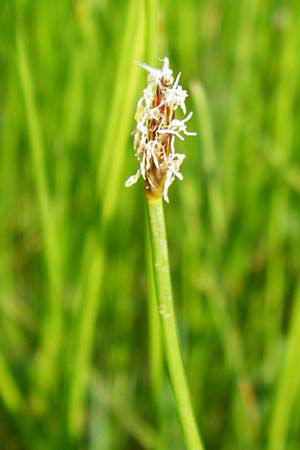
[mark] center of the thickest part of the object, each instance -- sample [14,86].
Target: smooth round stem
[168,324]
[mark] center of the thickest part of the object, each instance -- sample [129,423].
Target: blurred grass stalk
[288,383]
[9,391]
[241,82]
[276,282]
[210,163]
[109,175]
[168,324]
[127,417]
[51,334]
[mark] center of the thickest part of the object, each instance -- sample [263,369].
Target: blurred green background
[81,364]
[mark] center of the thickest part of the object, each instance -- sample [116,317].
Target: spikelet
[157,129]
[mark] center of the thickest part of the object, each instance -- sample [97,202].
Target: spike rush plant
[159,165]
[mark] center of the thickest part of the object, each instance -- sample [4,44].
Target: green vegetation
[81,362]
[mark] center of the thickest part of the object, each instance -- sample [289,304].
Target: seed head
[157,129]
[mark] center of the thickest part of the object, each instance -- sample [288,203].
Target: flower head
[157,129]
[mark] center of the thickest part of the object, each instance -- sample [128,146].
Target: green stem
[155,346]
[168,324]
